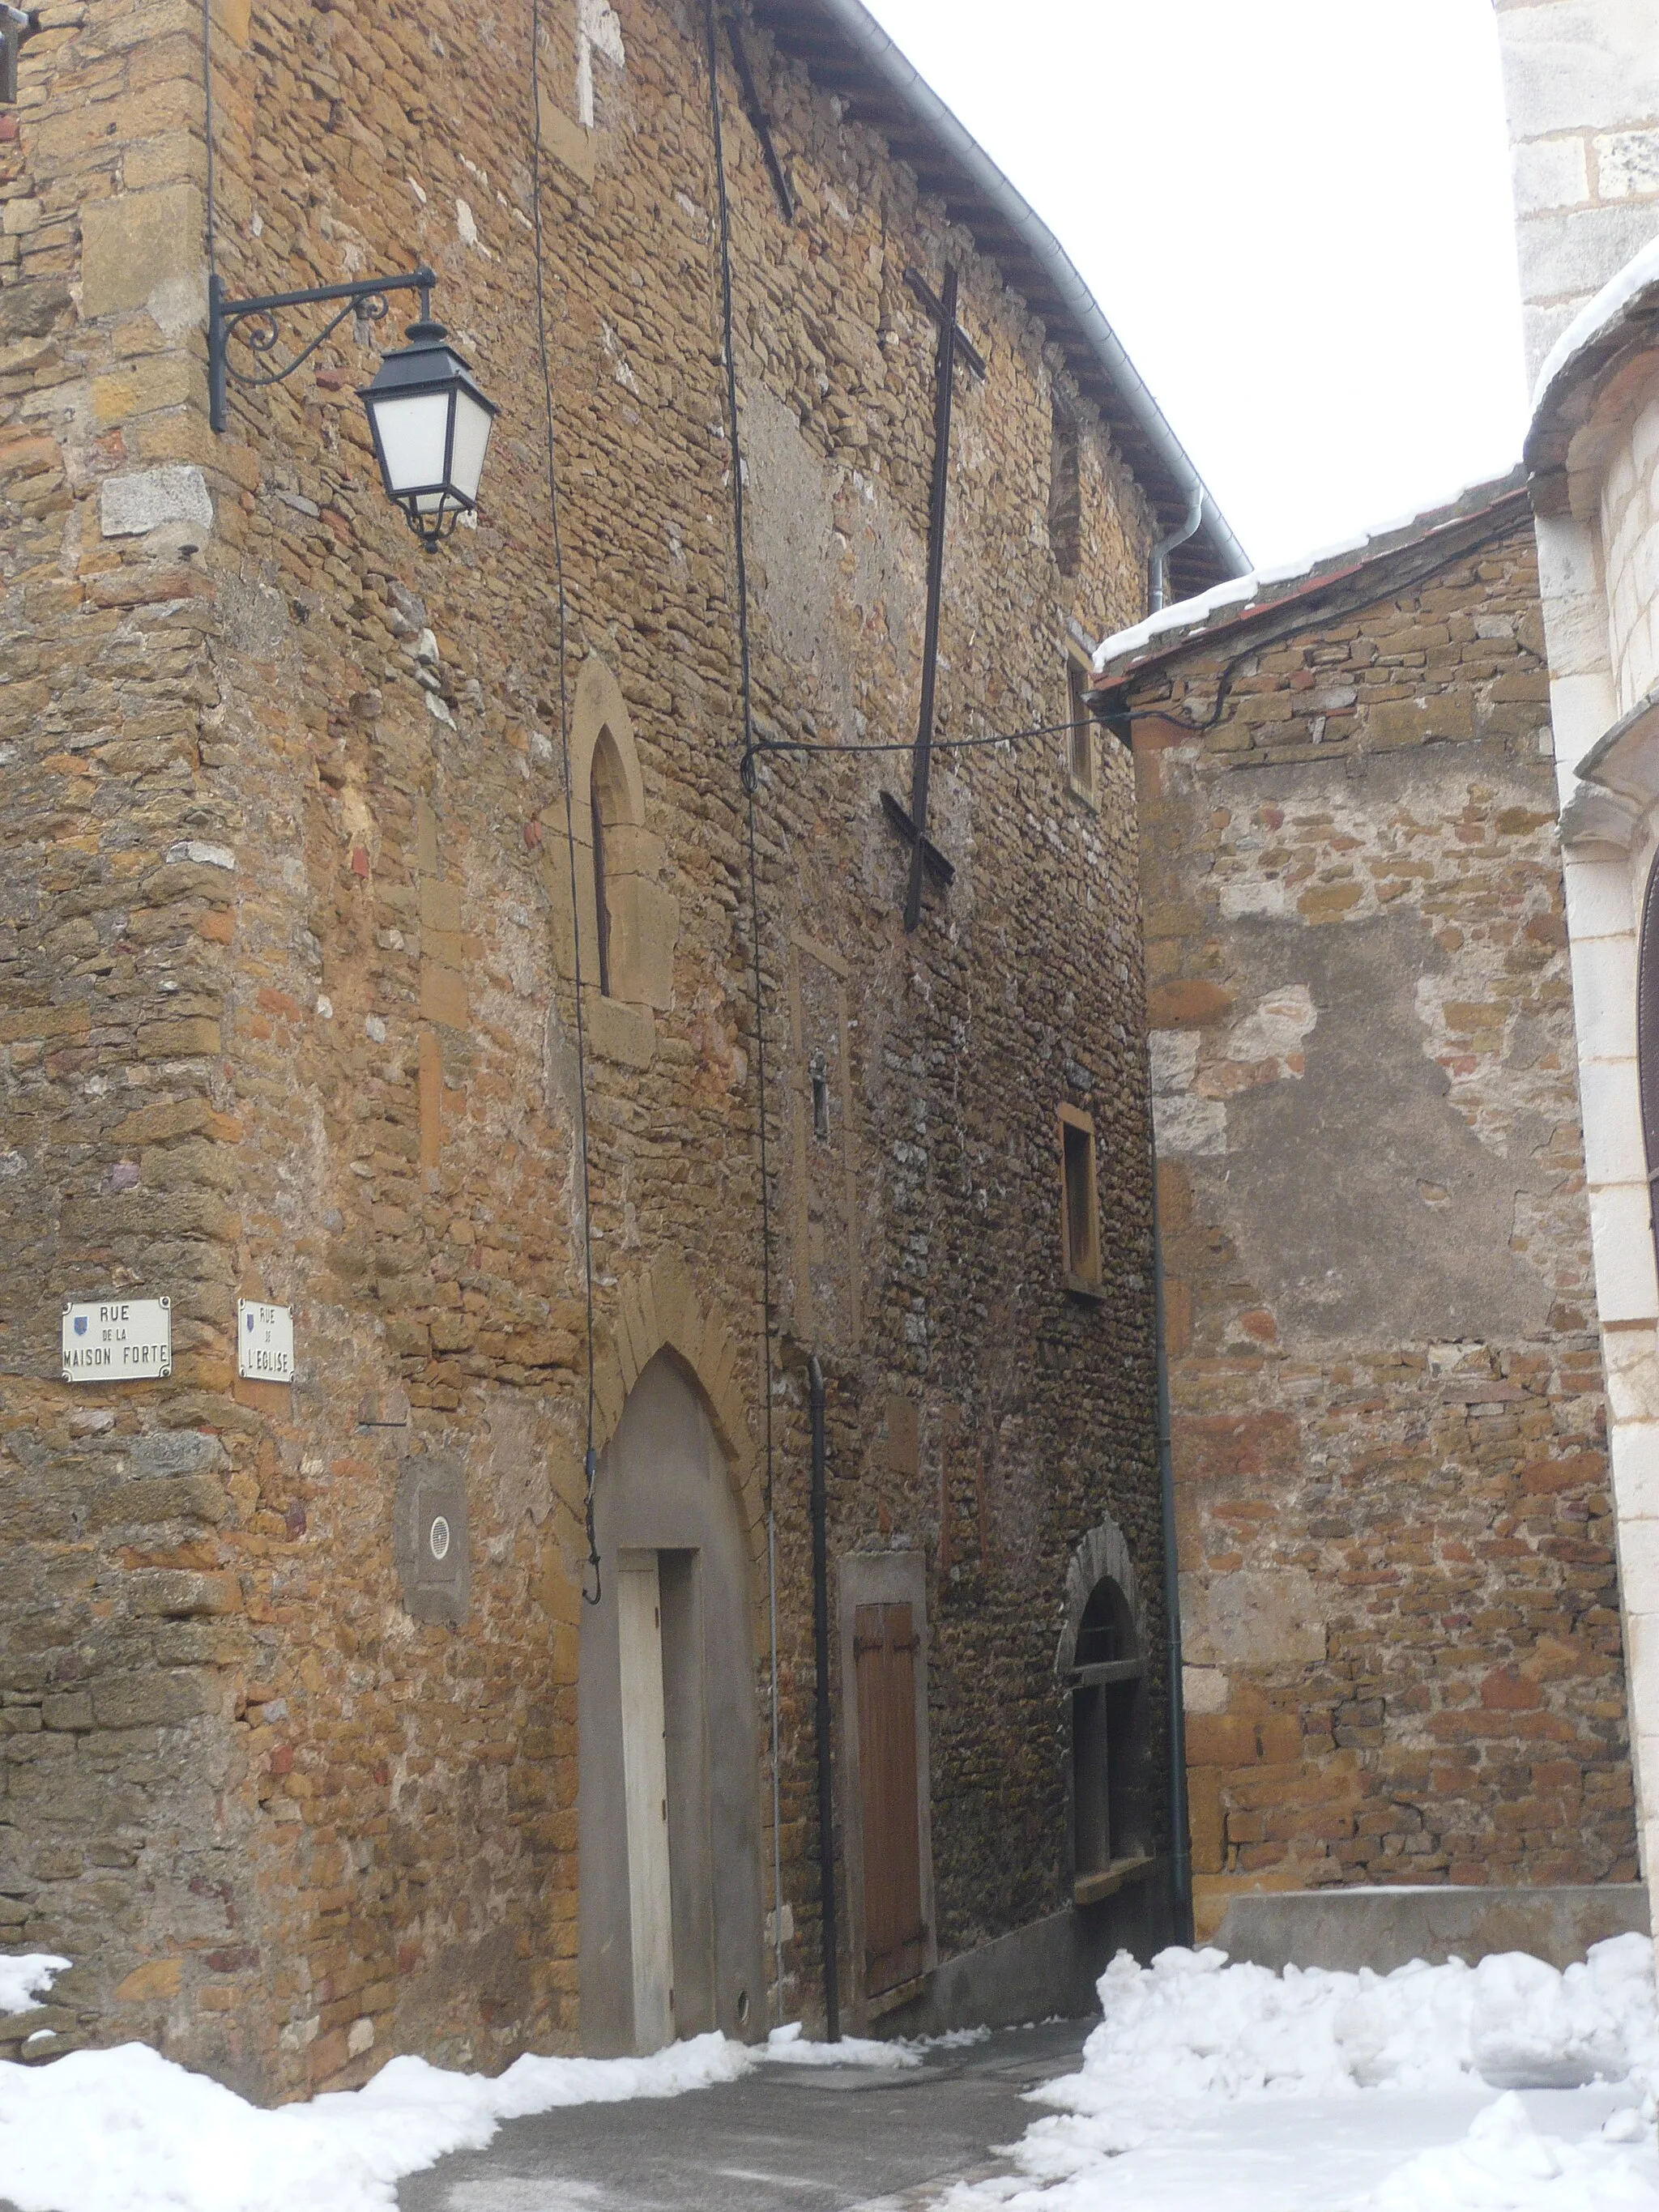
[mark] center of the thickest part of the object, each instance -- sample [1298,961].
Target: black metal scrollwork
[365,300]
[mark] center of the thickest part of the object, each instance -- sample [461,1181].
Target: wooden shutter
[885,1654]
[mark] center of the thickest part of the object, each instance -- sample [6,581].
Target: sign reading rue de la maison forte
[264,1342]
[116,1339]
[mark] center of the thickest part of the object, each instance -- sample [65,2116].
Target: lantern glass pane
[412,434]
[472,437]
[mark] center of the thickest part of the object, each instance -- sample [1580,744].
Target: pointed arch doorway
[668,1816]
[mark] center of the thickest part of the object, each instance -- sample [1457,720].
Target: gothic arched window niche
[629,923]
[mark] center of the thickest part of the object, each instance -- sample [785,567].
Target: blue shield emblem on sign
[80,1324]
[250,1324]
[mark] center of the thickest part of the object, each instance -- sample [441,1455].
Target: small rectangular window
[1081,1206]
[1080,731]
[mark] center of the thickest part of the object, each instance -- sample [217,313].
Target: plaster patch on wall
[1204,1689]
[1377,1109]
[619,369]
[129,506]
[1189,1113]
[837,572]
[1256,897]
[599,30]
[1256,1616]
[1189,1124]
[1275,1029]
[1174,1058]
[1181,1122]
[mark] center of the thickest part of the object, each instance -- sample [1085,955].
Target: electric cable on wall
[750,780]
[590,1457]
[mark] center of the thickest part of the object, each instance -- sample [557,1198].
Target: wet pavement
[822,2139]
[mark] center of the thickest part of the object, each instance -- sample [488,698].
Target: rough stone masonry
[288,1011]
[1400,1604]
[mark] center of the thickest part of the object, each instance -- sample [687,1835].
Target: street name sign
[264,1342]
[116,1339]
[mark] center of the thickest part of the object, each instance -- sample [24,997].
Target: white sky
[1295,215]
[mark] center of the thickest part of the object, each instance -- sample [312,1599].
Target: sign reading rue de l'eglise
[264,1342]
[116,1339]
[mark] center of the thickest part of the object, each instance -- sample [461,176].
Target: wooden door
[645,1781]
[884,1656]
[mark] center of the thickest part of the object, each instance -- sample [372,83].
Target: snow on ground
[1210,2087]
[1207,2088]
[127,2130]
[788,2046]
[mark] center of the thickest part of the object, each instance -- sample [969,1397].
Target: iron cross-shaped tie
[952,341]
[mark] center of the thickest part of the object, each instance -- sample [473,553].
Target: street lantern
[428,419]
[431,427]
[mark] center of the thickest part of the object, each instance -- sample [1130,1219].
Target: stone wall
[287,1006]
[1581,83]
[1400,1603]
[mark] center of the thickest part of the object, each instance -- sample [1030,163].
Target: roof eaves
[1471,525]
[844,46]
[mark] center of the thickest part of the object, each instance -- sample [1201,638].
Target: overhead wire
[590,1457]
[749,775]
[939,745]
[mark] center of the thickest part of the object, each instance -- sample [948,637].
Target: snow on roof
[1279,579]
[1618,294]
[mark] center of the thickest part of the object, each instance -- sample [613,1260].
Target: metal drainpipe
[1166,546]
[820,1660]
[1180,1849]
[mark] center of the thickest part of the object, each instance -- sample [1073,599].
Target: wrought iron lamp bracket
[364,299]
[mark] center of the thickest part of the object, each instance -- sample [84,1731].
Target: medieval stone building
[1400,1603]
[313,1750]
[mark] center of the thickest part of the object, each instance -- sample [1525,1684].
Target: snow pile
[25,1977]
[1505,2165]
[127,2130]
[1190,2037]
[1190,2025]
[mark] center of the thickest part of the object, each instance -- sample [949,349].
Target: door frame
[645,1776]
[882,1578]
